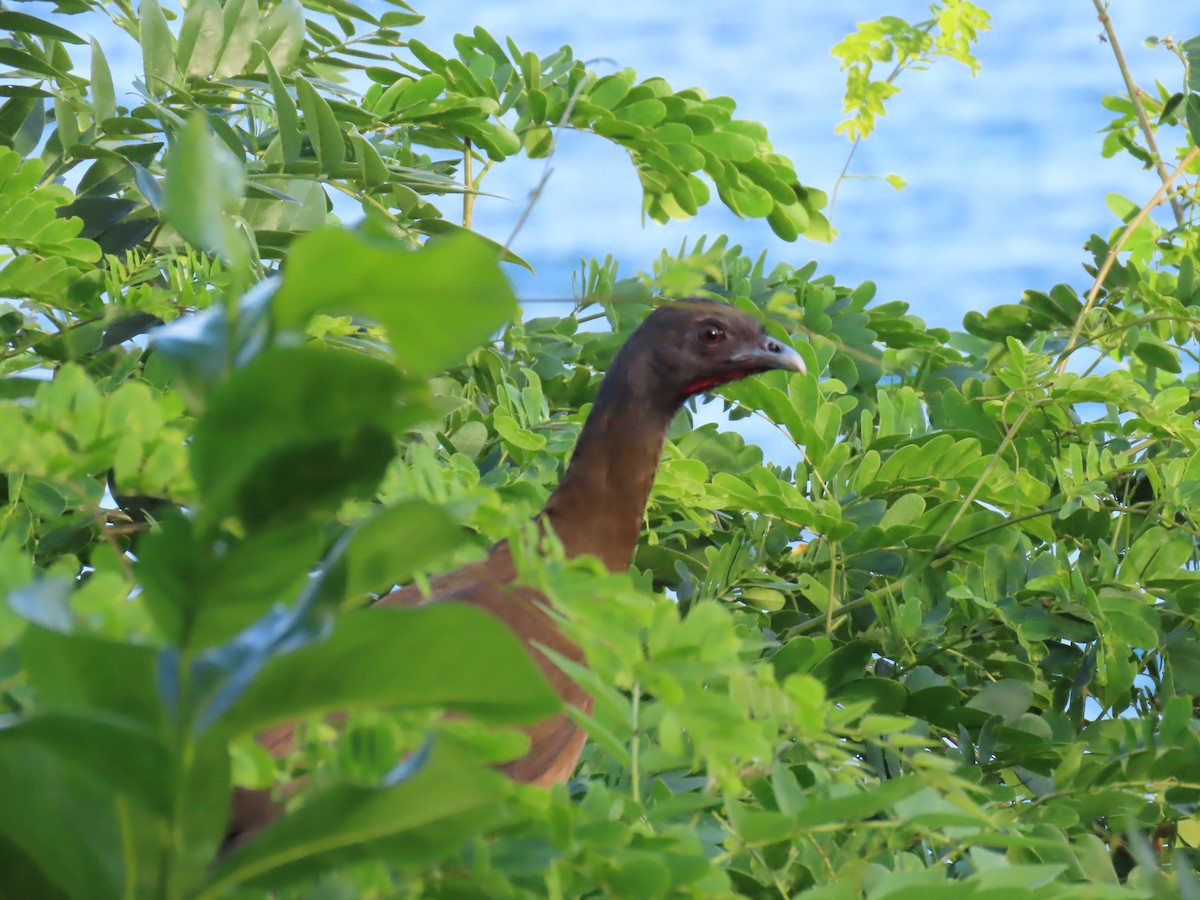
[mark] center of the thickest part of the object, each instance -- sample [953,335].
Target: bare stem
[468,186]
[1135,97]
[635,745]
[1116,248]
[895,73]
[536,193]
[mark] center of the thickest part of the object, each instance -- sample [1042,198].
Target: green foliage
[950,32]
[952,650]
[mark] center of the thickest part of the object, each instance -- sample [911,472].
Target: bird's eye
[710,334]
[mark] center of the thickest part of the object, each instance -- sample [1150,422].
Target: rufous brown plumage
[681,349]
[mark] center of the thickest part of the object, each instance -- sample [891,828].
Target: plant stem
[635,745]
[983,476]
[1111,258]
[946,549]
[536,193]
[468,186]
[895,73]
[1135,97]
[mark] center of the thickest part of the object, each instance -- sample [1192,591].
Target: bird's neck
[599,505]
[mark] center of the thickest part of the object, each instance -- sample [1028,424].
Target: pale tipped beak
[772,354]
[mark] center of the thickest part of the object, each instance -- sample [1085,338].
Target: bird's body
[680,350]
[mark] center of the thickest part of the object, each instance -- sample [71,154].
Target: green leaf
[644,112]
[200,38]
[296,431]
[202,592]
[1130,620]
[282,33]
[28,62]
[859,805]
[66,123]
[240,29]
[1156,354]
[285,112]
[727,145]
[410,658]
[125,757]
[158,49]
[1157,553]
[103,95]
[417,821]
[395,544]
[516,436]
[1007,698]
[199,348]
[1192,113]
[609,91]
[62,820]
[85,673]
[371,166]
[204,188]
[23,22]
[437,303]
[322,127]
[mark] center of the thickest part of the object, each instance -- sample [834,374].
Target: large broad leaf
[220,677]
[417,821]
[81,795]
[205,186]
[87,673]
[437,303]
[448,654]
[119,753]
[58,825]
[296,430]
[203,813]
[198,347]
[393,545]
[1157,553]
[202,592]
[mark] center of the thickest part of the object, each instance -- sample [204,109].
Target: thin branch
[1135,97]
[468,186]
[895,73]
[983,476]
[995,526]
[842,176]
[536,193]
[1111,258]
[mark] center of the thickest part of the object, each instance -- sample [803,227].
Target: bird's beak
[772,354]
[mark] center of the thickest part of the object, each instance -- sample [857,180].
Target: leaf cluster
[952,648]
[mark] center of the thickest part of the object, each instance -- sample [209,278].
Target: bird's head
[690,346]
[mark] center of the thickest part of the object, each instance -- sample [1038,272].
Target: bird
[681,349]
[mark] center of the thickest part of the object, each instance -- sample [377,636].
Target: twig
[983,476]
[1111,258]
[995,526]
[1135,97]
[895,73]
[842,176]
[536,193]
[468,187]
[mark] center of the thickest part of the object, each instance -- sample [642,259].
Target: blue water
[1005,178]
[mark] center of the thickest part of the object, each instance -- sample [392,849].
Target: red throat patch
[703,384]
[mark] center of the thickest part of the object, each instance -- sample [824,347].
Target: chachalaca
[680,350]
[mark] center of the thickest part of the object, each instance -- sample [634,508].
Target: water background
[1005,178]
